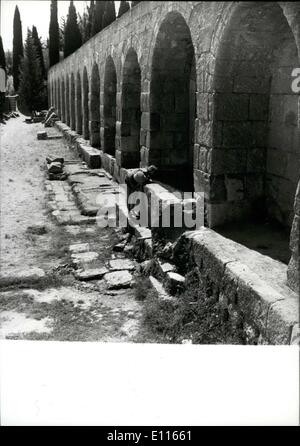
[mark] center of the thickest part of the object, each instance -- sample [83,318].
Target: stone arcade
[203,91]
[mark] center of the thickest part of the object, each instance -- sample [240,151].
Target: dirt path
[56,307]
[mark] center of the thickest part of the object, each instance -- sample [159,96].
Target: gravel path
[58,307]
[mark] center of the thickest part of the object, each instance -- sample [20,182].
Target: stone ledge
[244,282]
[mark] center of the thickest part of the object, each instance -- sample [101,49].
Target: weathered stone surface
[84,257]
[121,264]
[159,290]
[21,277]
[247,283]
[79,247]
[118,279]
[91,274]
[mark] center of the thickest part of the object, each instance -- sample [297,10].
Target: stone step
[118,279]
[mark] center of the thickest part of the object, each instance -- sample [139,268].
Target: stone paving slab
[118,279]
[91,274]
[121,264]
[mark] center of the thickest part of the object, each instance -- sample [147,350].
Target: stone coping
[246,281]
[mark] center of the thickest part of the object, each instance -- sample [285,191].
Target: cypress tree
[32,91]
[83,23]
[2,55]
[97,18]
[91,12]
[17,48]
[53,35]
[73,39]
[124,7]
[39,49]
[109,14]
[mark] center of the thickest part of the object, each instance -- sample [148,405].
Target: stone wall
[202,90]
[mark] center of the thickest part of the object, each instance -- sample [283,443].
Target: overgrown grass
[194,316]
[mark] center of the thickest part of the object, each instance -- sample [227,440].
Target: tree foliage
[2,55]
[72,35]
[17,48]
[39,49]
[124,7]
[32,90]
[97,20]
[53,35]
[134,3]
[109,15]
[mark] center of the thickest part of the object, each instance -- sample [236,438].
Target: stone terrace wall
[236,122]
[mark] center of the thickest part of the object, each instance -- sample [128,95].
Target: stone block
[42,135]
[175,283]
[79,247]
[121,264]
[91,274]
[231,107]
[118,279]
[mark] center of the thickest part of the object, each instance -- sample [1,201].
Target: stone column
[293,273]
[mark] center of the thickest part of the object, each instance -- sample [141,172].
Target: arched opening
[86,133]
[95,108]
[255,159]
[110,91]
[72,103]
[172,103]
[78,105]
[131,111]
[67,101]
[63,105]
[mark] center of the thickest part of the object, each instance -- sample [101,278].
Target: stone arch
[67,100]
[110,93]
[130,111]
[62,97]
[78,105]
[72,103]
[95,107]
[172,103]
[253,164]
[85,95]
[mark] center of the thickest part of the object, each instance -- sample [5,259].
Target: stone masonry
[202,90]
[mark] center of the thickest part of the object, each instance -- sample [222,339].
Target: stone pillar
[293,273]
[67,101]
